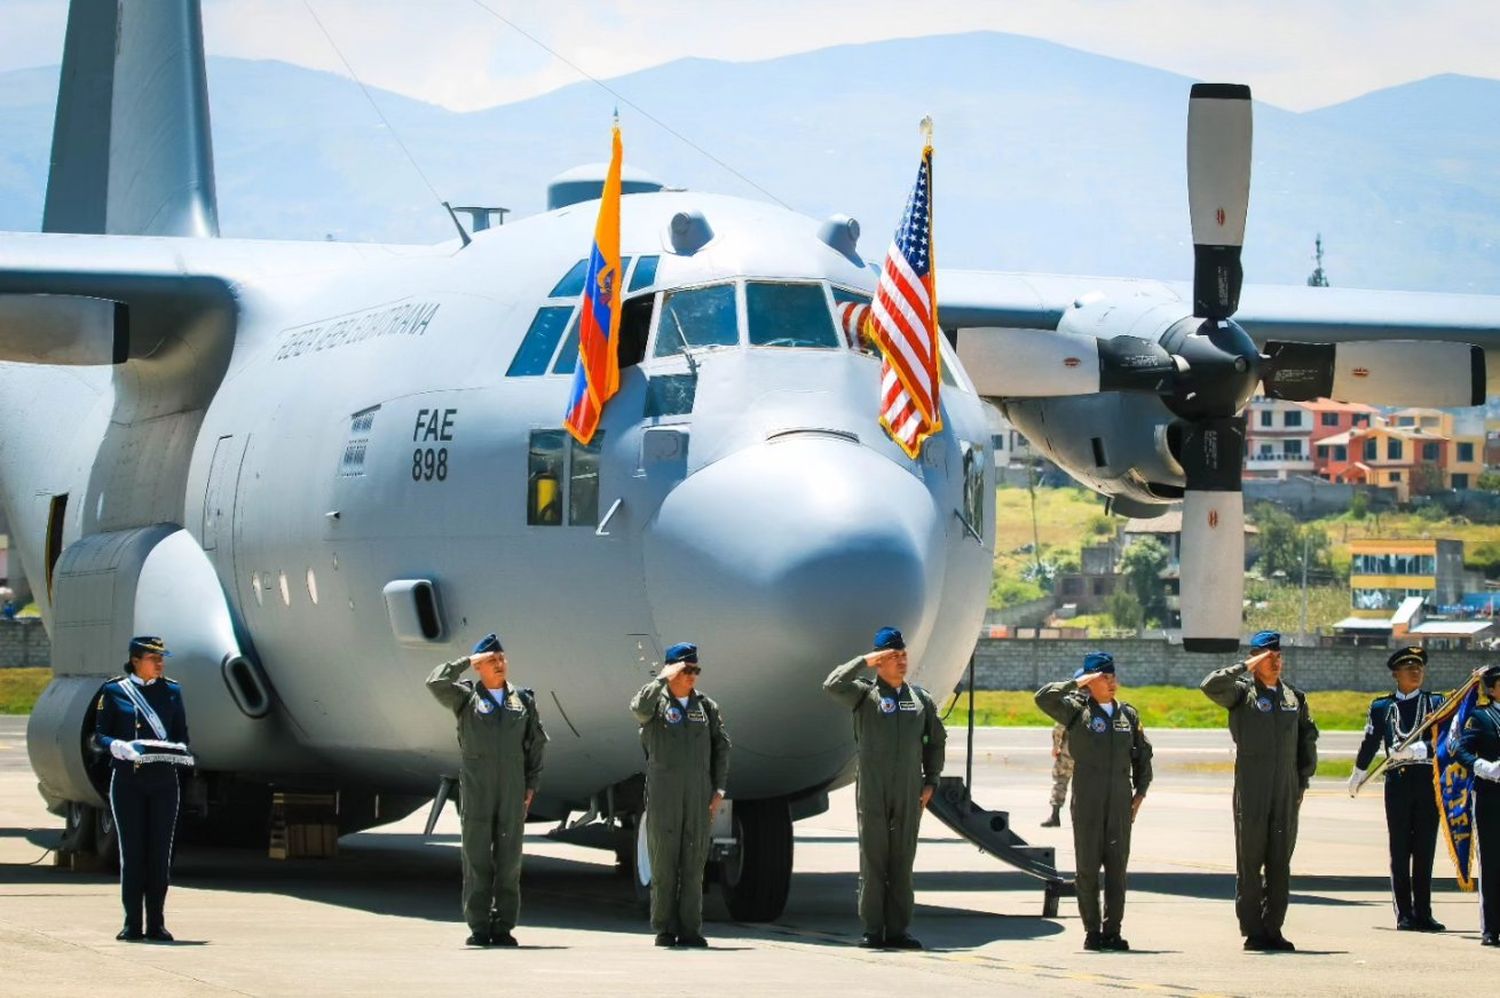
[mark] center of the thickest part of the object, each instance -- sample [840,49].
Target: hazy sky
[1298,54]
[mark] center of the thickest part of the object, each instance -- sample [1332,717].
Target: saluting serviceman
[1411,812]
[1062,773]
[901,740]
[1112,769]
[1479,749]
[1276,754]
[501,738]
[141,722]
[687,764]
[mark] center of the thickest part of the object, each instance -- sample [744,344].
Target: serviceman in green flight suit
[1276,754]
[901,740]
[501,737]
[687,764]
[1111,771]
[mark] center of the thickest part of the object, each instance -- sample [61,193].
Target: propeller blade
[1218,177]
[1031,363]
[1376,372]
[1213,535]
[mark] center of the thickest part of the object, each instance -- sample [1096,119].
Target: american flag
[903,320]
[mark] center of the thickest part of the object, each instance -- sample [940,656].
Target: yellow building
[1384,571]
[1463,456]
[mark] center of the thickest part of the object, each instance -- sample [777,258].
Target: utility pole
[1306,543]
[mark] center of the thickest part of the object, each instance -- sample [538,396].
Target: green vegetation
[19,689]
[1160,707]
[1065,519]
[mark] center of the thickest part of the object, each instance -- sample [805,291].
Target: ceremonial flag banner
[903,320]
[1453,783]
[597,376]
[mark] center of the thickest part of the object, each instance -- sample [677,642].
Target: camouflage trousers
[1062,767]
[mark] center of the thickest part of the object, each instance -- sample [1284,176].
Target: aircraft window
[567,357]
[540,342]
[571,286]
[583,481]
[670,394]
[853,310]
[700,317]
[645,273]
[635,327]
[544,478]
[789,315]
[946,367]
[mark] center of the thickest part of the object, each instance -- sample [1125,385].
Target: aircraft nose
[783,559]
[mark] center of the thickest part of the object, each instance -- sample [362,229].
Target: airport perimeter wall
[24,644]
[1012,664]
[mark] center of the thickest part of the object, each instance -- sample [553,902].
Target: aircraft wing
[1285,313]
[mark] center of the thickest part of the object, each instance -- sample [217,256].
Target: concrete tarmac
[383,918]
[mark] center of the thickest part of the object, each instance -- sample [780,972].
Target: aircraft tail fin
[131,150]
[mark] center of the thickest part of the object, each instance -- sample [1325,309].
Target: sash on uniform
[143,708]
[175,753]
[1453,783]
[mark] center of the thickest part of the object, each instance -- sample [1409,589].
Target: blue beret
[488,643]
[1266,640]
[889,637]
[683,651]
[1097,661]
[148,645]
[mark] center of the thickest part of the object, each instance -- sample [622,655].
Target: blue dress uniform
[1479,749]
[1411,813]
[149,723]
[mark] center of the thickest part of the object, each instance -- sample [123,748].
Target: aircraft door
[218,498]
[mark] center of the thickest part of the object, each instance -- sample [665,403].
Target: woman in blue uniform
[1479,749]
[142,724]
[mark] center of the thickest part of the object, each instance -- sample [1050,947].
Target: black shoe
[1489,939]
[1114,943]
[129,935]
[692,942]
[666,939]
[1428,924]
[159,935]
[872,940]
[1405,924]
[1280,944]
[1055,820]
[503,938]
[1257,944]
[904,941]
[477,939]
[1093,942]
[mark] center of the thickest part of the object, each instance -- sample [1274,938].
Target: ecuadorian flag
[597,376]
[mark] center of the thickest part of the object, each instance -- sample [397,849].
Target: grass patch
[1338,768]
[19,689]
[1159,706]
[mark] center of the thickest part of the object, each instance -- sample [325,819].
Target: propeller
[1378,372]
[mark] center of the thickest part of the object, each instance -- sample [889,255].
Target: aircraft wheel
[106,837]
[640,878]
[758,877]
[78,828]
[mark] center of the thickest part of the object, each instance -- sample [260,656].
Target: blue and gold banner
[1454,784]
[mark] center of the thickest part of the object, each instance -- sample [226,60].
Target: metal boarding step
[991,832]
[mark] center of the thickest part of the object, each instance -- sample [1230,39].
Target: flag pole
[1439,717]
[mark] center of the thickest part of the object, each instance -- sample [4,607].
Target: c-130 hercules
[320,468]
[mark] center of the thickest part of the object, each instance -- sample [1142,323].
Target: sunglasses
[691,670]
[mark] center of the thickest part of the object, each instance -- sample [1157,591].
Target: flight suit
[687,761]
[1481,740]
[144,796]
[1411,812]
[901,741]
[1111,766]
[1062,766]
[502,743]
[1276,754]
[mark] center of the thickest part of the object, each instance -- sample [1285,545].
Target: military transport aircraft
[322,468]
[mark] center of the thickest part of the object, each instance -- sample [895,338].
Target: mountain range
[1046,158]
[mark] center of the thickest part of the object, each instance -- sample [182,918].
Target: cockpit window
[852,309]
[645,273]
[540,341]
[699,317]
[789,315]
[572,283]
[567,357]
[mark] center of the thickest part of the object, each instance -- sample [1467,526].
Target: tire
[758,877]
[640,867]
[106,838]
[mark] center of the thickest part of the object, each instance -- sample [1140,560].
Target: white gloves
[123,750]
[1418,751]
[1487,769]
[1354,779]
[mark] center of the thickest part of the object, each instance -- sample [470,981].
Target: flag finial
[927,130]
